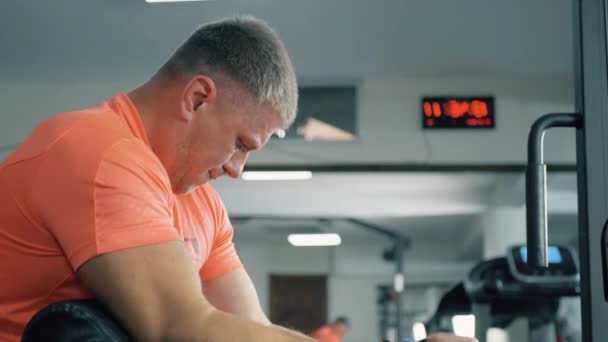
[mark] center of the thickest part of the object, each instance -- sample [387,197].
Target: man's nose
[234,166]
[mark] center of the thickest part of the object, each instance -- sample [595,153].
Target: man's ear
[198,93]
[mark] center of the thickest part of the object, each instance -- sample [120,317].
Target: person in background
[332,332]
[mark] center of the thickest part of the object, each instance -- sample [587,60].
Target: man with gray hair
[112,202]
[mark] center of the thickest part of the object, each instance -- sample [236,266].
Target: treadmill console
[562,266]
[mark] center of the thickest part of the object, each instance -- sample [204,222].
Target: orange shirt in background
[86,183]
[325,334]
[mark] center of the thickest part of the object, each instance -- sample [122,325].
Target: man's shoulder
[90,128]
[80,134]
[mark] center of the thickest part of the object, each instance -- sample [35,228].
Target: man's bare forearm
[218,326]
[228,328]
[280,328]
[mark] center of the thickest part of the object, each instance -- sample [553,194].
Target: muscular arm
[156,295]
[235,293]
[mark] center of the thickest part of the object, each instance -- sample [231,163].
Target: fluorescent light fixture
[307,240]
[391,334]
[497,335]
[464,325]
[419,331]
[276,175]
[399,282]
[152,1]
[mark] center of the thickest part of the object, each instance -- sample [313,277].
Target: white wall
[388,114]
[390,125]
[354,272]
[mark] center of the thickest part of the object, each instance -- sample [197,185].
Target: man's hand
[449,338]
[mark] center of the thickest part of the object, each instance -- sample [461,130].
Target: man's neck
[149,100]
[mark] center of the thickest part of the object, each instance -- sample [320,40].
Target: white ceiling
[437,211]
[364,195]
[330,41]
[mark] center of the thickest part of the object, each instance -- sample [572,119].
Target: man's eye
[240,146]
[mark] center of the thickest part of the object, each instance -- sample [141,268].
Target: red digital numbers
[455,109]
[445,112]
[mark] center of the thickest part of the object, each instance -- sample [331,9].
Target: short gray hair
[246,50]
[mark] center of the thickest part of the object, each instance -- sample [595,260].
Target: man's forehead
[269,120]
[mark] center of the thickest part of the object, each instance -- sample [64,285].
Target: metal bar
[399,251]
[536,185]
[591,86]
[374,228]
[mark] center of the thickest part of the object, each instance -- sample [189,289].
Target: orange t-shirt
[86,183]
[325,334]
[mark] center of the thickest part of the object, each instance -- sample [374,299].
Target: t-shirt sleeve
[223,257]
[125,202]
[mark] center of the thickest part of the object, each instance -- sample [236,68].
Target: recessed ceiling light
[464,325]
[276,175]
[308,240]
[151,1]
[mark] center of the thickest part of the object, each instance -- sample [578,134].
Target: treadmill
[502,289]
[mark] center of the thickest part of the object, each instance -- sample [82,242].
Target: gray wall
[389,120]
